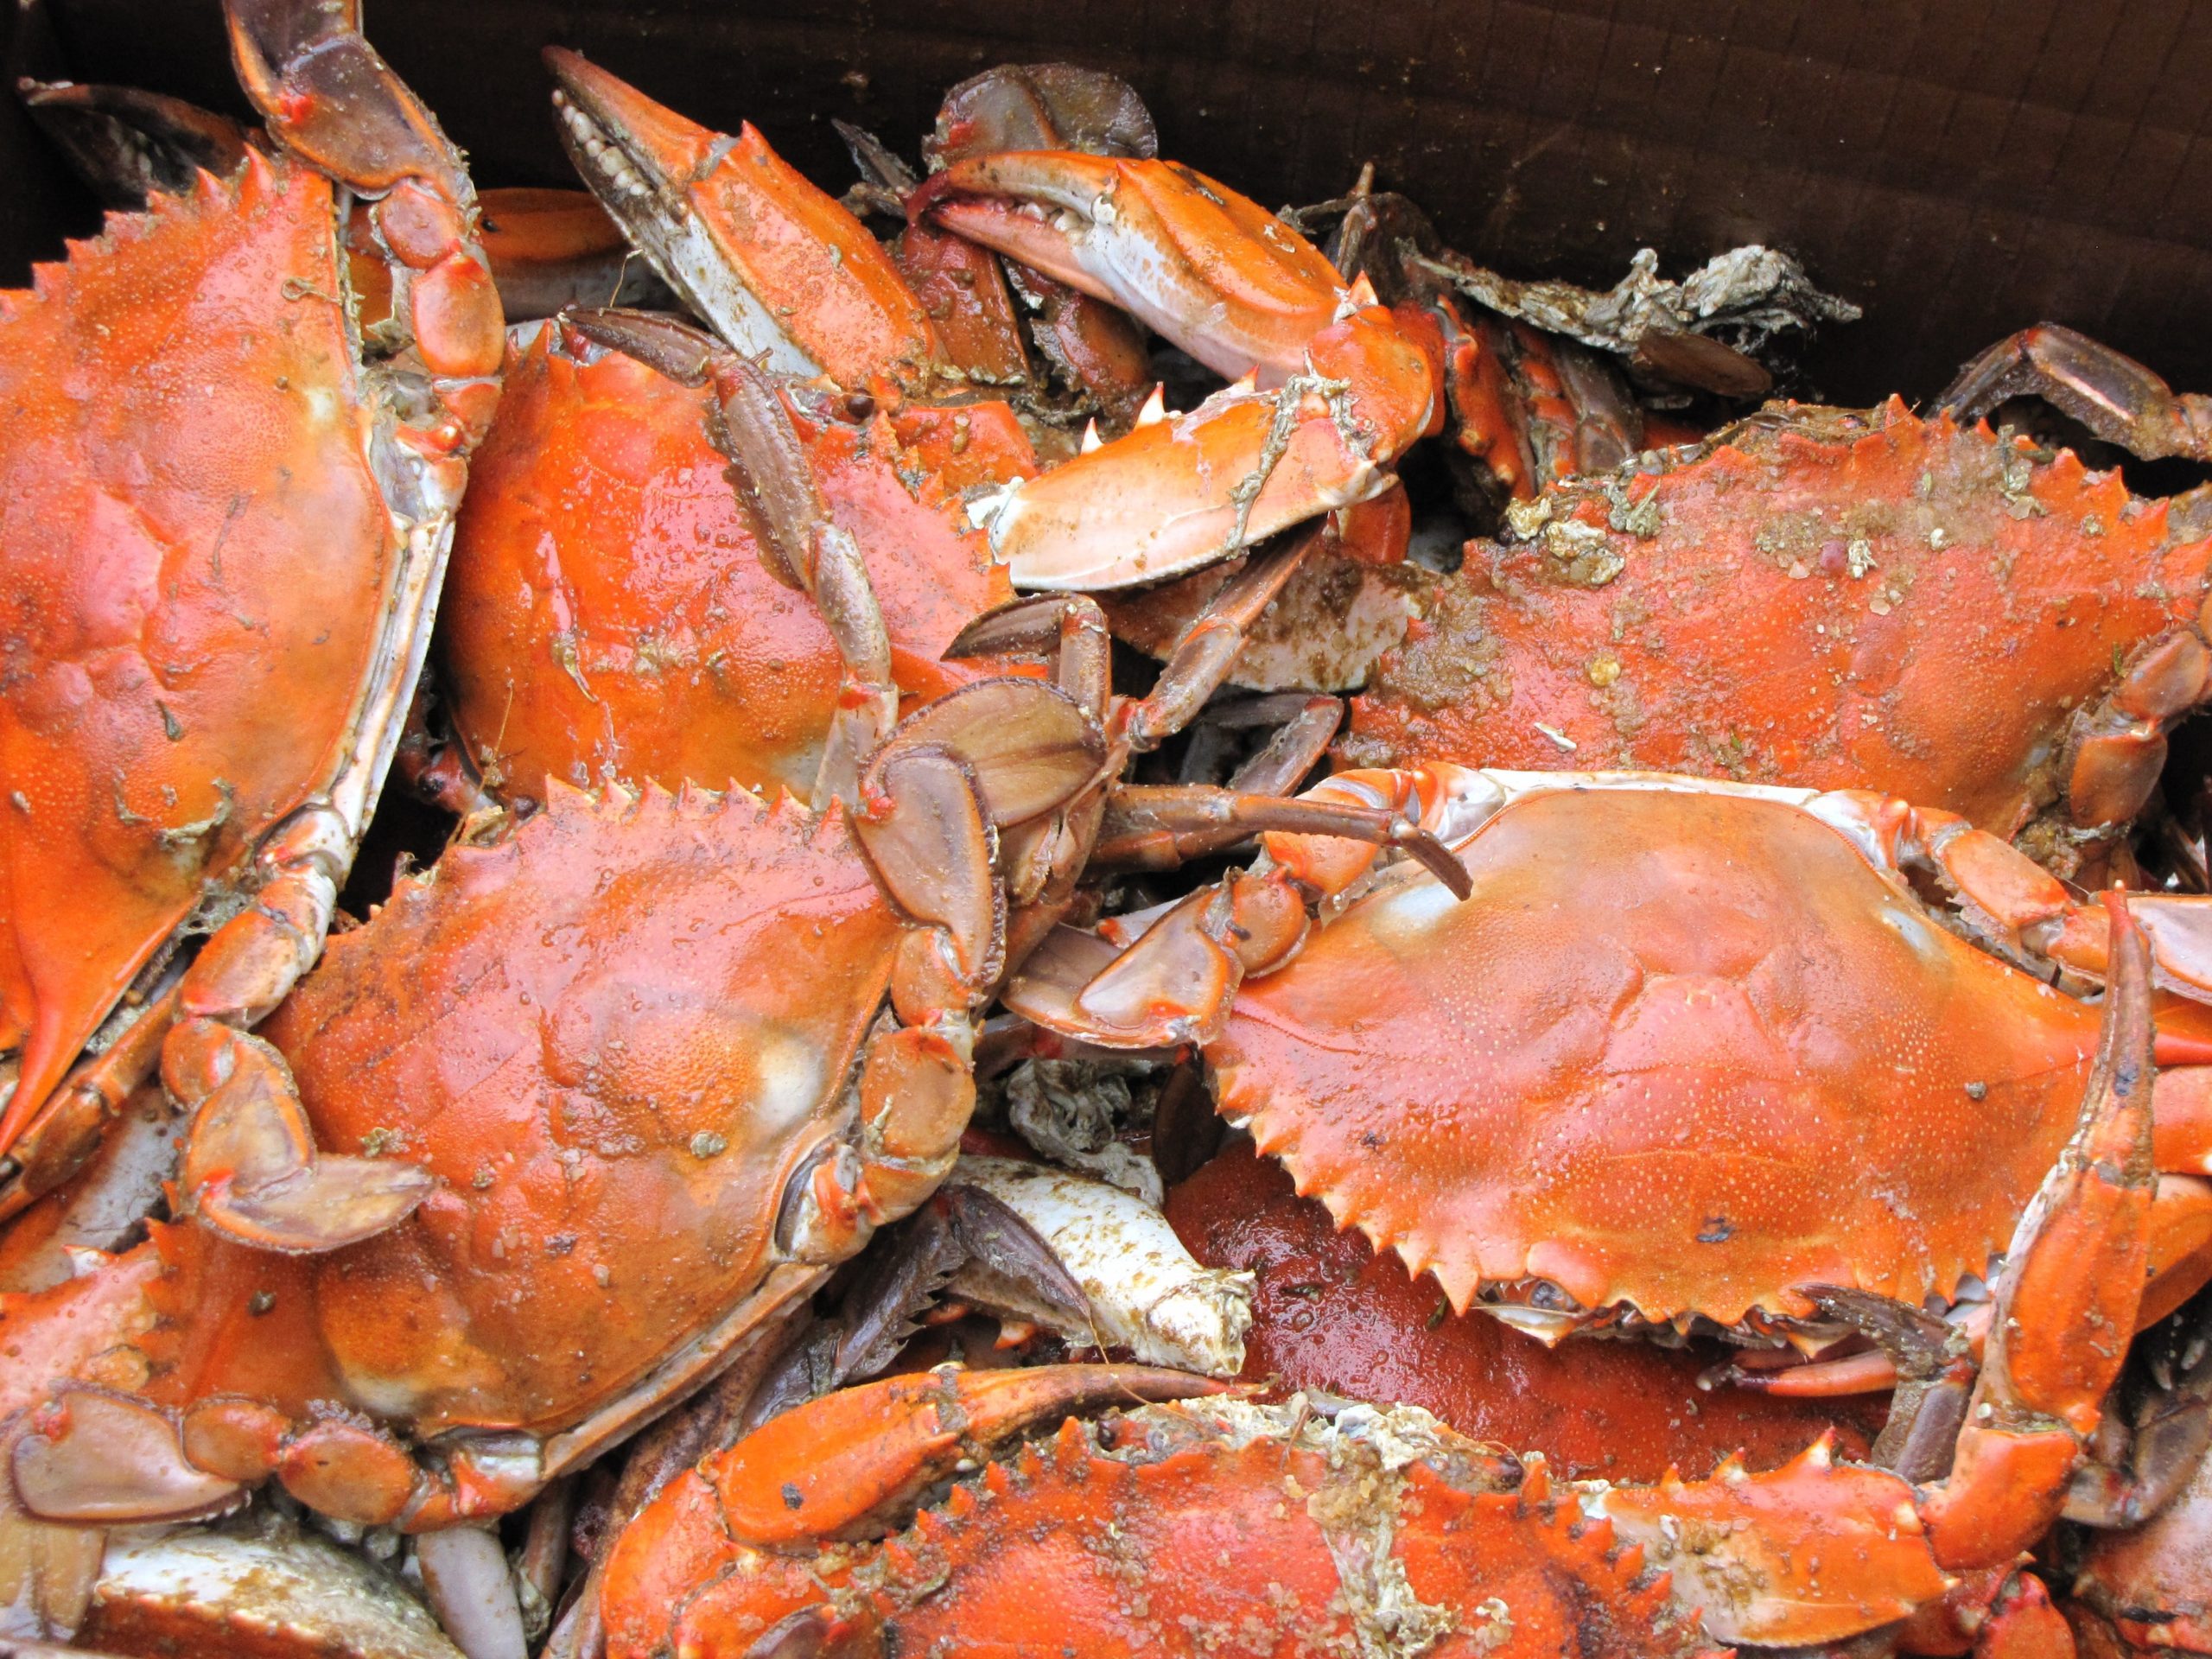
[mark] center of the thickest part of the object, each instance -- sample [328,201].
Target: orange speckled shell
[1208,1550]
[1681,1051]
[1736,642]
[1329,1313]
[549,1024]
[194,558]
[607,614]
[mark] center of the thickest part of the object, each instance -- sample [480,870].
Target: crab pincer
[1331,389]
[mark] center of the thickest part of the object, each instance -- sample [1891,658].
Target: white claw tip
[1246,382]
[993,511]
[1155,407]
[1091,439]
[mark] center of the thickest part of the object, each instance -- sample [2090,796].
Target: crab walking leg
[1167,976]
[2113,395]
[1055,628]
[1068,633]
[68,1131]
[1334,389]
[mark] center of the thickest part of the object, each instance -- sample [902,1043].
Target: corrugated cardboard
[1957,168]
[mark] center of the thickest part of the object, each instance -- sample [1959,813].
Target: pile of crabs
[674,985]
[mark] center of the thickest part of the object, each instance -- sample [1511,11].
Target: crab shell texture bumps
[607,615]
[1832,598]
[1206,1527]
[1682,1050]
[185,418]
[1329,1313]
[625,1025]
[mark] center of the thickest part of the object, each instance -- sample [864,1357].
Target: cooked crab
[1690,1048]
[225,533]
[1179,1527]
[1834,598]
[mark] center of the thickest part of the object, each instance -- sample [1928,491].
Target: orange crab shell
[1829,598]
[1329,1313]
[197,557]
[1191,1546]
[627,1023]
[1680,1051]
[607,615]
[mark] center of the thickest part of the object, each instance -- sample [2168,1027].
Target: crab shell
[1683,1049]
[608,614]
[210,615]
[615,1039]
[1824,597]
[1201,1527]
[1329,1313]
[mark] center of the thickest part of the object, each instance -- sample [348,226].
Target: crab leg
[2067,1300]
[127,143]
[2115,397]
[2177,1264]
[1346,389]
[331,100]
[2018,908]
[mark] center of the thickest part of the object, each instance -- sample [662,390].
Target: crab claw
[845,1465]
[332,100]
[1183,492]
[2077,1265]
[1211,269]
[773,263]
[1337,388]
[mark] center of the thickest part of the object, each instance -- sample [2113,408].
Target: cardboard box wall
[1959,169]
